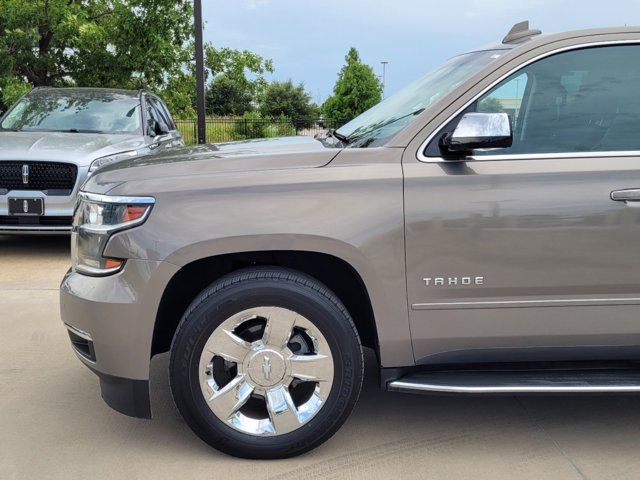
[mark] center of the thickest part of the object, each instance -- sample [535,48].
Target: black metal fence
[228,129]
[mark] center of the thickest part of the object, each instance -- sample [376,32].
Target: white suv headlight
[102,161]
[96,218]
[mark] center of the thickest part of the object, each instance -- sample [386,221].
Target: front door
[521,254]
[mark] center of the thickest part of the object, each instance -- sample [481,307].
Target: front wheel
[266,363]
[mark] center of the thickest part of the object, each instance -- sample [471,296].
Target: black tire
[275,287]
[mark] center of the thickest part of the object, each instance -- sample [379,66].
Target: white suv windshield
[81,113]
[396,112]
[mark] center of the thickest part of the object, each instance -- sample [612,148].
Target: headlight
[96,218]
[101,162]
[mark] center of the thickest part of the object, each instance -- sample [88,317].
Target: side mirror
[480,130]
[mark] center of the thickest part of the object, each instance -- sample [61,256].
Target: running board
[515,382]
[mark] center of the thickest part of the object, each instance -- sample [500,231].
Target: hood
[79,148]
[231,150]
[266,146]
[252,155]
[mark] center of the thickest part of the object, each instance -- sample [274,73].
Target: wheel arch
[335,272]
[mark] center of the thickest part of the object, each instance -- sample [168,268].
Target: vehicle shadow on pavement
[35,244]
[389,435]
[451,436]
[33,262]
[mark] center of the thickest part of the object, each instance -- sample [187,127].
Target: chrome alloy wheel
[266,371]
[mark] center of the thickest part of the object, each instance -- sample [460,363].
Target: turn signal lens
[112,263]
[134,212]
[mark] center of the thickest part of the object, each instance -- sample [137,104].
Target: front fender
[352,209]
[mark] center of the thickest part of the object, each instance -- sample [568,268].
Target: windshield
[396,112]
[74,112]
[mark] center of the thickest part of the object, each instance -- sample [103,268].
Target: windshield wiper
[76,130]
[331,134]
[343,138]
[53,130]
[380,126]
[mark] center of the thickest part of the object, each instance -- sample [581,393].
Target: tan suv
[477,230]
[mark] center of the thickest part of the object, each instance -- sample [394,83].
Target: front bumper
[117,315]
[57,218]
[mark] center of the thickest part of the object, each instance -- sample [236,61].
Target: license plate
[26,206]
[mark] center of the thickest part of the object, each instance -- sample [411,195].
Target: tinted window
[59,111]
[164,113]
[585,100]
[153,117]
[506,98]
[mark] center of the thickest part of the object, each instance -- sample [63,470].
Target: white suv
[52,139]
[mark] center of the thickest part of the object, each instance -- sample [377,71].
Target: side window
[161,112]
[506,98]
[152,116]
[585,100]
[165,111]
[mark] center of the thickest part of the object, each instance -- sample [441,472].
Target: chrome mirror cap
[480,130]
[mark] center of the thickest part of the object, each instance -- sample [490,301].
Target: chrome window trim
[423,146]
[537,156]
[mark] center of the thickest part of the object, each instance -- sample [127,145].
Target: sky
[308,41]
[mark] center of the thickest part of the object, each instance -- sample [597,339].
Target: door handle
[630,196]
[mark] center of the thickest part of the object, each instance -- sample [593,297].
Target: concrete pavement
[53,424]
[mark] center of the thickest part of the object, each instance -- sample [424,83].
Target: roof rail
[520,32]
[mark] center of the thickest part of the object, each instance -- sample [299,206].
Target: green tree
[119,43]
[227,96]
[356,90]
[284,99]
[116,43]
[180,94]
[236,64]
[490,105]
[242,74]
[237,79]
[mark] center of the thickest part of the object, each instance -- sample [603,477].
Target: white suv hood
[78,148]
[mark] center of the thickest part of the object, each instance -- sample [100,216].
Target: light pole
[199,54]
[384,75]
